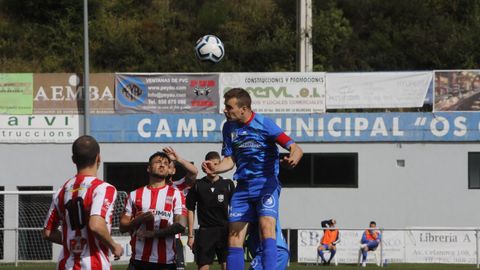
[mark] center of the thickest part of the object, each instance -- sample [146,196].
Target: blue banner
[331,127]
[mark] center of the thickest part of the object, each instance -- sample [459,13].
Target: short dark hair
[242,96]
[85,150]
[212,155]
[158,154]
[373,223]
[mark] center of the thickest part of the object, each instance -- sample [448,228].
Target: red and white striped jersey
[81,197]
[164,203]
[181,185]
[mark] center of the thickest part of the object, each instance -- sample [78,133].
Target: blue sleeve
[227,141]
[364,238]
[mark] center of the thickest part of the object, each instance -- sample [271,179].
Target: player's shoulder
[263,121]
[101,184]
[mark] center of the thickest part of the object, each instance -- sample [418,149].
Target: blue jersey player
[283,254]
[250,143]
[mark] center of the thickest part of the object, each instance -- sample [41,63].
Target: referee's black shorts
[208,242]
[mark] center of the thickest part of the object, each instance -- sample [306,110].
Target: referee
[211,196]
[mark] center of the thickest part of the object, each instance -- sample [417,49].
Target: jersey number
[76,213]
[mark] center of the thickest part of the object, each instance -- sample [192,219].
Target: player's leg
[241,212]
[205,248]
[267,209]
[222,246]
[269,243]
[320,250]
[283,256]
[333,251]
[236,237]
[179,254]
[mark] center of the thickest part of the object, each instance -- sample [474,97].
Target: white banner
[377,89]
[441,247]
[39,128]
[279,92]
[410,246]
[348,248]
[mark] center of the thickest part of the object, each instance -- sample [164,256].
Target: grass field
[293,266]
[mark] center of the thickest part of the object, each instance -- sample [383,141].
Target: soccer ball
[210,48]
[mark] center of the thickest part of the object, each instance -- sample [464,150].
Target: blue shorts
[372,245]
[325,246]
[253,199]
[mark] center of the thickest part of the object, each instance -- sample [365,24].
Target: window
[322,170]
[126,176]
[130,176]
[32,210]
[474,170]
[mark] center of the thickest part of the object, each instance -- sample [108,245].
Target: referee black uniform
[211,200]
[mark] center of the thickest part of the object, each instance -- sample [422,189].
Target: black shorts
[208,242]
[141,265]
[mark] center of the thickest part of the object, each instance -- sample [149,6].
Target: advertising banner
[39,128]
[166,93]
[349,246]
[364,90]
[279,92]
[454,247]
[62,93]
[409,246]
[457,90]
[331,127]
[16,93]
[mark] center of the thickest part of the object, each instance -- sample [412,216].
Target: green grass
[293,266]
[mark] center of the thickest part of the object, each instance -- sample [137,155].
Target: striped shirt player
[79,198]
[164,202]
[182,186]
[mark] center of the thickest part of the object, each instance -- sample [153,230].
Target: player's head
[159,165]
[172,167]
[85,152]
[214,157]
[333,222]
[373,224]
[237,103]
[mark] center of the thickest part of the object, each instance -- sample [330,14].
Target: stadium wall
[430,190]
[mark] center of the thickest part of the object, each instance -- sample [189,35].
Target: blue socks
[320,253]
[364,257]
[332,254]
[235,260]
[269,256]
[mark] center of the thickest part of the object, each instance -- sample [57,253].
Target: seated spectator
[331,237]
[370,240]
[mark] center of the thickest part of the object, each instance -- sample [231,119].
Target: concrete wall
[431,190]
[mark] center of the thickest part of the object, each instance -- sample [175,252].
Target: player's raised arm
[190,169]
[225,165]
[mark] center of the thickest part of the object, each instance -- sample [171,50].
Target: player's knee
[267,227]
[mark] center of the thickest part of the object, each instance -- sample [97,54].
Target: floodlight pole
[86,72]
[304,36]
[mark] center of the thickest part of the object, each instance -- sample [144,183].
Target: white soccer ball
[210,48]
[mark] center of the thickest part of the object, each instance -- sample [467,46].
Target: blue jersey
[253,147]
